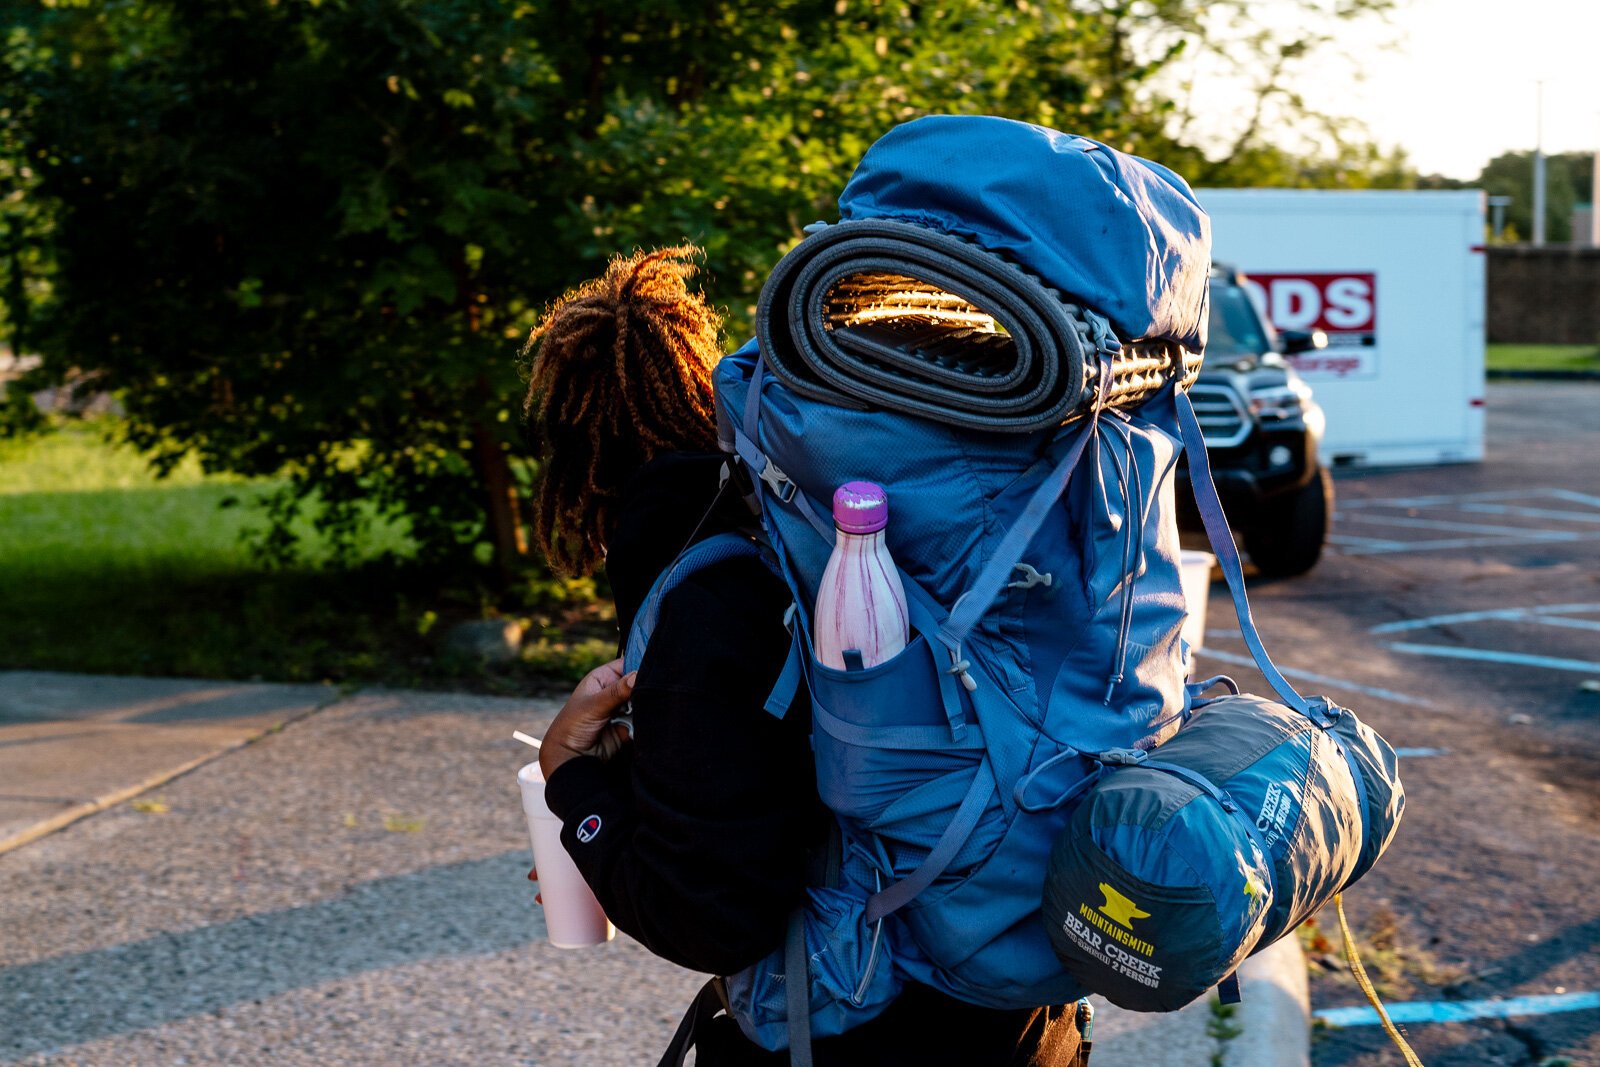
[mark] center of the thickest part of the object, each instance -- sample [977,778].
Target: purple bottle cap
[860,507]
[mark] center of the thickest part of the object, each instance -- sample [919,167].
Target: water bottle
[861,617]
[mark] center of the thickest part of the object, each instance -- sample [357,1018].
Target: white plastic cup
[573,918]
[1194,571]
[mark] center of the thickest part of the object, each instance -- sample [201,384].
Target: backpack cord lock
[959,667]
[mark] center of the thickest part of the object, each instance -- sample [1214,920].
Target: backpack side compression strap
[797,989]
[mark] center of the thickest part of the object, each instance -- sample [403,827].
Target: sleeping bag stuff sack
[1178,864]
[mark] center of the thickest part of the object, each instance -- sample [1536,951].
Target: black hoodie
[707,818]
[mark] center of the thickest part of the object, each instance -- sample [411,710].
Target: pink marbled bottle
[861,604]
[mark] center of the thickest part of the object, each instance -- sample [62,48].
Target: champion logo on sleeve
[588,829]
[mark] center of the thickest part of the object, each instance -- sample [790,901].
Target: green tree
[293,236]
[1567,184]
[24,228]
[1275,137]
[305,237]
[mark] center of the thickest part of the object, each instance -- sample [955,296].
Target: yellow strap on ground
[1365,983]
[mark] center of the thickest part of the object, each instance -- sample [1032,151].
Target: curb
[1270,1026]
[1543,375]
[62,820]
[1275,1013]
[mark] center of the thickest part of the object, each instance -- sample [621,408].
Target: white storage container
[1396,279]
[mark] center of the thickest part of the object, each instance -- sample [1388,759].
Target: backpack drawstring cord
[1138,533]
[1119,657]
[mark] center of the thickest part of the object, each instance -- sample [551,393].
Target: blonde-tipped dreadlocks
[621,373]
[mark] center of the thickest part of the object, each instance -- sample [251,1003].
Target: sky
[1454,82]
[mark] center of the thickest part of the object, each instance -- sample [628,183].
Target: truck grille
[1222,416]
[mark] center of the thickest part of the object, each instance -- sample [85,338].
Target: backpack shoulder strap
[1317,709]
[702,554]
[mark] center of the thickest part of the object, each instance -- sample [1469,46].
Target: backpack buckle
[780,483]
[1123,757]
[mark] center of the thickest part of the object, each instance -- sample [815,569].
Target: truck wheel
[1285,535]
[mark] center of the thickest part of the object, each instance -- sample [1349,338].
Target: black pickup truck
[1263,431]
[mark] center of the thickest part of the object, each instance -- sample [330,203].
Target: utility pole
[1538,169]
[1594,198]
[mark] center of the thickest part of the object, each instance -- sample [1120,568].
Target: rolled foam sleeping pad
[1030,377]
[1175,867]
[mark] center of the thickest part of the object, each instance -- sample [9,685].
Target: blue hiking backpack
[1029,463]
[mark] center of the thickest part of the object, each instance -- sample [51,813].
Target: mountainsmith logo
[1115,932]
[1119,908]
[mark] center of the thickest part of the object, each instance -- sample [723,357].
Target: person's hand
[583,727]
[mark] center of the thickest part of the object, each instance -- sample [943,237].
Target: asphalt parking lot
[1458,611]
[351,886]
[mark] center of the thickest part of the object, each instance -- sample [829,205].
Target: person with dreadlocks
[707,815]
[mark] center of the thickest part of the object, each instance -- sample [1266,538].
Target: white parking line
[1513,504]
[1490,655]
[1454,1011]
[1571,624]
[1322,679]
[1575,496]
[1531,513]
[1459,542]
[1501,614]
[1365,542]
[1467,527]
[1452,498]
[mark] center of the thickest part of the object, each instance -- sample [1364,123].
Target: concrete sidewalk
[343,881]
[71,745]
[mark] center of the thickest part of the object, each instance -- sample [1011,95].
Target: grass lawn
[105,569]
[1543,357]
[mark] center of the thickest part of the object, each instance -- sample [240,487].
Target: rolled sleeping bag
[1177,865]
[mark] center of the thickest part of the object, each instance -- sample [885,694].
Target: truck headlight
[1277,402]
